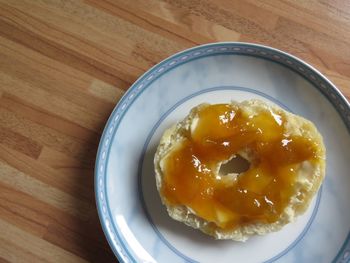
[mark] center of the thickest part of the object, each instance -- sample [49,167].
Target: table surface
[65,64]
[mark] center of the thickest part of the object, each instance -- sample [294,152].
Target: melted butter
[258,195]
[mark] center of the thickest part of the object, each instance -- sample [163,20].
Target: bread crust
[309,177]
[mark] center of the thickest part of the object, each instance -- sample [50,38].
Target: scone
[277,162]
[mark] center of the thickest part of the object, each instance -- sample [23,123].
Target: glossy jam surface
[259,194]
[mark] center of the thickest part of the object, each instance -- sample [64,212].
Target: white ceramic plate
[135,223]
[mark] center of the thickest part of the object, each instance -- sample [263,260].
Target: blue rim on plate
[320,82]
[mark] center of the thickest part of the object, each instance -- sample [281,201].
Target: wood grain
[64,64]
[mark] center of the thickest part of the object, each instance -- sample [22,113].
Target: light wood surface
[65,64]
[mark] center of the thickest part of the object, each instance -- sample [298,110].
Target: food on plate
[239,169]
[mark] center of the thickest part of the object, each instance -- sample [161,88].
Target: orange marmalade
[259,194]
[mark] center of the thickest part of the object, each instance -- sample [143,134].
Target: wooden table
[65,64]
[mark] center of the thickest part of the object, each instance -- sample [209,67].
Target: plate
[135,223]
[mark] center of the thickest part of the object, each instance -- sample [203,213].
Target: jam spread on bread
[259,194]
